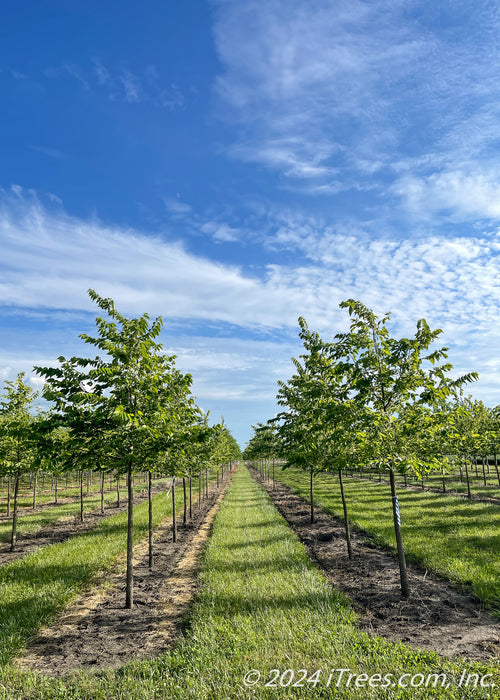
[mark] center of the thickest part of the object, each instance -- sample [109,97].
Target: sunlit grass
[456,538]
[34,588]
[262,605]
[30,523]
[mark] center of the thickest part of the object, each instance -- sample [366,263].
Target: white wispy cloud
[117,82]
[50,259]
[340,92]
[460,195]
[49,151]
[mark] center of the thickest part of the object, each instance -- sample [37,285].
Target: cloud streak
[329,93]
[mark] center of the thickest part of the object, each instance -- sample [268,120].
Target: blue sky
[234,165]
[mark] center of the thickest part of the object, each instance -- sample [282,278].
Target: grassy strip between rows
[458,539]
[263,605]
[33,589]
[434,481]
[45,494]
[29,524]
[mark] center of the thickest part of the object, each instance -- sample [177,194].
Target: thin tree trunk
[118,490]
[311,494]
[81,495]
[174,523]
[34,491]
[199,491]
[150,520]
[102,492]
[346,519]
[8,495]
[190,496]
[184,515]
[405,588]
[484,470]
[274,480]
[496,469]
[129,592]
[13,536]
[55,489]
[467,479]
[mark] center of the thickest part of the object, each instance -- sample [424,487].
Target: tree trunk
[8,495]
[129,592]
[55,489]
[34,490]
[150,521]
[467,479]
[274,480]
[190,496]
[346,519]
[102,492]
[496,469]
[184,515]
[311,495]
[117,490]
[484,470]
[81,495]
[13,536]
[199,491]
[174,523]
[405,588]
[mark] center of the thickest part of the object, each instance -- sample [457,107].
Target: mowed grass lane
[458,539]
[263,605]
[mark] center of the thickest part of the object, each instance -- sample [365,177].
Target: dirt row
[67,527]
[436,617]
[97,632]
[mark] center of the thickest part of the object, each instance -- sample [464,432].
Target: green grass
[456,538]
[33,589]
[262,605]
[31,523]
[45,494]
[452,480]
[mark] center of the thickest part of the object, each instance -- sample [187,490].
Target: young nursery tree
[388,378]
[125,403]
[318,427]
[17,437]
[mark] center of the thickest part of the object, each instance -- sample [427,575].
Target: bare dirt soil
[98,632]
[436,617]
[66,527]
